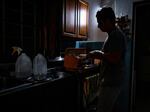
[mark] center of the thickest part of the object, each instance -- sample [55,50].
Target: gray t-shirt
[113,73]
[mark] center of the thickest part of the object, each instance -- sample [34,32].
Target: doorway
[141,56]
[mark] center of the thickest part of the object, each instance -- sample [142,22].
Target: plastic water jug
[39,67]
[23,66]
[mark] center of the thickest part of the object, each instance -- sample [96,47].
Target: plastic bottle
[39,67]
[23,66]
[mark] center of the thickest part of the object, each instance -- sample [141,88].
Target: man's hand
[113,57]
[95,54]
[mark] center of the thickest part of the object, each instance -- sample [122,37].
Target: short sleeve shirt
[116,42]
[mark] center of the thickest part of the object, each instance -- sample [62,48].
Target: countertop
[59,91]
[55,93]
[11,83]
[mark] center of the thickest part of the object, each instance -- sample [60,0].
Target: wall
[95,34]
[123,7]
[138,0]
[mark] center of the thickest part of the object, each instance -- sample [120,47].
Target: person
[112,56]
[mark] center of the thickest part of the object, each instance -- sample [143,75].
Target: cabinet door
[82,19]
[69,18]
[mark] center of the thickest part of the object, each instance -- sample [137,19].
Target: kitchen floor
[142,99]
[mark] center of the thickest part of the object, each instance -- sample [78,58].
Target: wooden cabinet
[75,18]
[17,27]
[41,25]
[82,19]
[33,25]
[69,18]
[49,18]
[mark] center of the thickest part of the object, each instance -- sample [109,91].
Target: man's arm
[112,57]
[95,54]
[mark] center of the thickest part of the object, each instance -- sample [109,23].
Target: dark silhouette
[112,57]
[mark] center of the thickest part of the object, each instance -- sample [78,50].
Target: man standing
[112,56]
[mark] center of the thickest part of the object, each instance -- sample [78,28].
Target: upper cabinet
[70,18]
[41,25]
[75,19]
[18,27]
[83,14]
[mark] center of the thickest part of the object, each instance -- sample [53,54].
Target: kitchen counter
[56,93]
[10,83]
[60,91]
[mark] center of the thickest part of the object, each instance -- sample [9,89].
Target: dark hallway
[141,50]
[142,98]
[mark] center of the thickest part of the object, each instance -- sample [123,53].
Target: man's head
[106,19]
